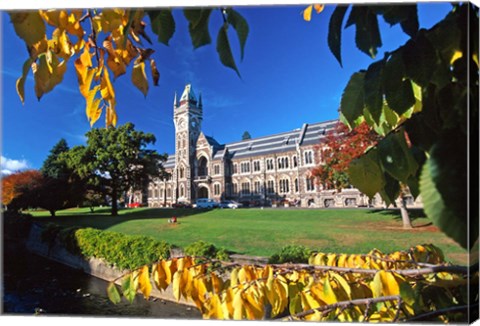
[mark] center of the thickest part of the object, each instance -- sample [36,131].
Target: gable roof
[309,134]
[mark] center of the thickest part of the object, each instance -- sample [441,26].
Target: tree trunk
[407,224]
[52,212]
[114,202]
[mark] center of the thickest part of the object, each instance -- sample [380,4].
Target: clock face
[181,124]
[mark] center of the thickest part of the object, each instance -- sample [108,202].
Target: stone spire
[188,95]
[175,104]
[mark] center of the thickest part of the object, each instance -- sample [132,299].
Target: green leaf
[241,27]
[366,173]
[373,90]
[420,60]
[198,20]
[398,92]
[352,102]
[113,293]
[367,33]
[335,32]
[224,50]
[443,187]
[391,190]
[129,288]
[396,157]
[162,24]
[406,15]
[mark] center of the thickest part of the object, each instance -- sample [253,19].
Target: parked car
[230,204]
[134,205]
[205,203]
[181,205]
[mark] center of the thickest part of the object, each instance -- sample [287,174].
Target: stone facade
[266,171]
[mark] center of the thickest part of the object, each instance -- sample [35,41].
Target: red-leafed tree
[339,148]
[22,189]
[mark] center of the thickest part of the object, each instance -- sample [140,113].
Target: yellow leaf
[20,85]
[332,258]
[28,25]
[217,283]
[456,55]
[328,295]
[144,282]
[227,304]
[92,109]
[253,304]
[342,259]
[384,283]
[214,307]
[307,13]
[170,267]
[116,65]
[319,259]
[343,284]
[176,285]
[159,275]
[238,306]
[106,88]
[111,117]
[47,72]
[318,8]
[155,73]
[234,277]
[139,78]
[55,17]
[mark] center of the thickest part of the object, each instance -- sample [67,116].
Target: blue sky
[289,77]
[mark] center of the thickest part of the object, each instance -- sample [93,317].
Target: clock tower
[187,117]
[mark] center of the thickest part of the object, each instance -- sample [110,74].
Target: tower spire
[175,100]
[200,101]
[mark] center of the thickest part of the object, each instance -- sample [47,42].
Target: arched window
[202,166]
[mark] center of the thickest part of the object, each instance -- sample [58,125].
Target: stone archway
[202,192]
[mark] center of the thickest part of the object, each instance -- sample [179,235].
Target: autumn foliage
[19,189]
[339,148]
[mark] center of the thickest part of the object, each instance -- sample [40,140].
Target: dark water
[35,285]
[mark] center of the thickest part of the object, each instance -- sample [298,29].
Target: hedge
[118,249]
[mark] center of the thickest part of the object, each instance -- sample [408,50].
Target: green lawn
[264,232]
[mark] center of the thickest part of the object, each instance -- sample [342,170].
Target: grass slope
[264,232]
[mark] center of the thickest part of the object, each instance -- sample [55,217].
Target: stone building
[267,171]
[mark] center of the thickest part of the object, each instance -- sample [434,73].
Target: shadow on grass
[101,218]
[414,213]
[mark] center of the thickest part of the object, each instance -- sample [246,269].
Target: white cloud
[9,166]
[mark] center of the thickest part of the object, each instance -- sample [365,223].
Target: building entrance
[202,192]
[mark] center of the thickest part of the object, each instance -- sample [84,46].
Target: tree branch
[344,304]
[440,312]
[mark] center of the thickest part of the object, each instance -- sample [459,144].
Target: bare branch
[440,312]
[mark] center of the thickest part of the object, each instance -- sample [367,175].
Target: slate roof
[308,134]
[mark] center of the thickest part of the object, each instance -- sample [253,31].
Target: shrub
[291,254]
[121,250]
[206,250]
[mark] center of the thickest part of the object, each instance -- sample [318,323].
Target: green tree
[423,99]
[246,135]
[61,187]
[116,160]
